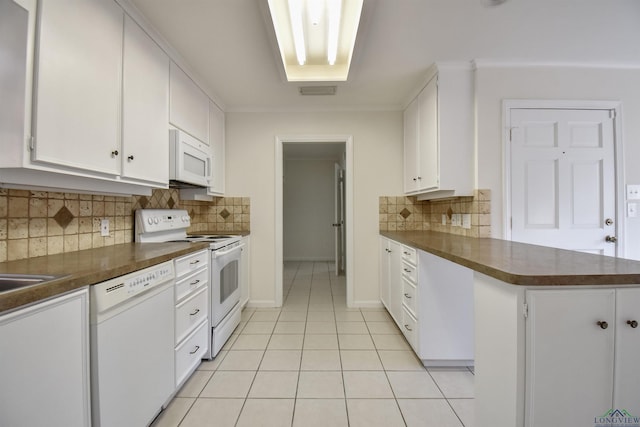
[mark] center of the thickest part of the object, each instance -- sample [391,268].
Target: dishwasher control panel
[115,291]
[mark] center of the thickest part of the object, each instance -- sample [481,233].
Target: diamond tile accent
[63,217]
[405,213]
[225,214]
[144,202]
[171,203]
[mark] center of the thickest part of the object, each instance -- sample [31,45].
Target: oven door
[225,283]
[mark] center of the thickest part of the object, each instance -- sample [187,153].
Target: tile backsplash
[35,223]
[408,213]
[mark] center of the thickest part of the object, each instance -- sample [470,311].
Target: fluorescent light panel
[316,37]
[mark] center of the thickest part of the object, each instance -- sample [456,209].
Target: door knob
[611,239]
[632,323]
[603,325]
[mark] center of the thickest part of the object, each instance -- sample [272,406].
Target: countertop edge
[515,277]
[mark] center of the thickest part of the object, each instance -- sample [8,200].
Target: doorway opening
[313,227]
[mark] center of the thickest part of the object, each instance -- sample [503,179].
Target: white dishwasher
[132,343]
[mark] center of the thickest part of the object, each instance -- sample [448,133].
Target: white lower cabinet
[245,272]
[391,277]
[582,355]
[44,363]
[556,356]
[192,341]
[431,300]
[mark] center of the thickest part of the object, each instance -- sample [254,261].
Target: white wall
[308,209]
[377,158]
[493,84]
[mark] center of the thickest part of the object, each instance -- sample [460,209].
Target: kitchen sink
[10,282]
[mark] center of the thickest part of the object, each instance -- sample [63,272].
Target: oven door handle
[217,254]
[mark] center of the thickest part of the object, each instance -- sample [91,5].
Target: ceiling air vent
[317,90]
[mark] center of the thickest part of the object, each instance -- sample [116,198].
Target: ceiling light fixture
[316,37]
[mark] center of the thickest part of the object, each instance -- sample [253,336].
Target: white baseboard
[368,304]
[308,259]
[261,304]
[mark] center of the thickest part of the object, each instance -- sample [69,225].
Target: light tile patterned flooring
[316,362]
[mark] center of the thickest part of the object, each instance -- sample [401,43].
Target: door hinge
[31,143]
[525,310]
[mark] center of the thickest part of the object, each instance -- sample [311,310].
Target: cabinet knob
[407,296]
[611,239]
[114,153]
[420,178]
[603,324]
[632,323]
[407,328]
[130,158]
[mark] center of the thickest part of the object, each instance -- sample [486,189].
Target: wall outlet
[466,220]
[633,192]
[444,219]
[104,228]
[632,210]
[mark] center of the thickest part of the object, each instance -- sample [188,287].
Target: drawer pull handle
[195,282]
[407,296]
[408,328]
[632,323]
[407,253]
[195,312]
[194,262]
[195,350]
[407,270]
[603,324]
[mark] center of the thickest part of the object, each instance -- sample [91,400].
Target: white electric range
[170,225]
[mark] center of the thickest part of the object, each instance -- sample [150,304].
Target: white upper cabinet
[438,138]
[79,77]
[145,107]
[217,142]
[189,105]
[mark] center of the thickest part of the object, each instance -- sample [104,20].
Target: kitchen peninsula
[555,331]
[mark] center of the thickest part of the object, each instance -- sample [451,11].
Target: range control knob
[156,220]
[150,220]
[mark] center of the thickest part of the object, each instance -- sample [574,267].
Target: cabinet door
[145,107]
[395,281]
[79,71]
[428,147]
[384,256]
[45,364]
[411,147]
[217,142]
[627,373]
[569,360]
[188,105]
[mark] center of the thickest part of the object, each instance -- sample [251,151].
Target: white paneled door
[563,178]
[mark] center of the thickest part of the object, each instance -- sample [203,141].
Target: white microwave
[189,161]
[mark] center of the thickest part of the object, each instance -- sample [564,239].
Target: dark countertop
[87,267]
[523,264]
[222,233]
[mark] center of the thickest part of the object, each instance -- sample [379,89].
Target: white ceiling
[231,46]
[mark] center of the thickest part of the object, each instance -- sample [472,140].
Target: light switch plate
[104,228]
[632,210]
[633,192]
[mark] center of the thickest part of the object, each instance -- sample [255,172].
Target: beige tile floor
[316,362]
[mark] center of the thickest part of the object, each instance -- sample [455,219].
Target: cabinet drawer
[190,313]
[191,262]
[409,272]
[409,255]
[189,353]
[410,328]
[409,296]
[191,284]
